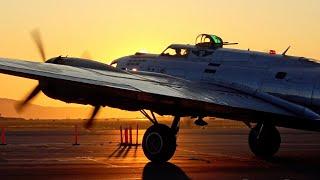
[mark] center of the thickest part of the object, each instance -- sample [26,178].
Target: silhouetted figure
[178,52]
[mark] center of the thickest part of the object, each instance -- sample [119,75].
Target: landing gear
[159,141]
[264,140]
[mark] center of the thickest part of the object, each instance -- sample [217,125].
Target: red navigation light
[272,52]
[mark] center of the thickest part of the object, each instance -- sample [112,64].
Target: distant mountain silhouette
[7,109]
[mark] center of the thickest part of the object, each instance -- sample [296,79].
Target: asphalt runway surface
[201,154]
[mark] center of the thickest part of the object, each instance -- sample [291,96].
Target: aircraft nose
[119,60]
[114,62]
[120,63]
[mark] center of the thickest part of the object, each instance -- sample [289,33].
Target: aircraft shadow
[165,170]
[297,163]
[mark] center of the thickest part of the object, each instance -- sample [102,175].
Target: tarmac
[201,154]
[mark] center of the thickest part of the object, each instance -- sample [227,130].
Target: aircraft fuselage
[295,79]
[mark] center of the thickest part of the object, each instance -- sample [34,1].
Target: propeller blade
[35,34]
[86,55]
[20,106]
[89,123]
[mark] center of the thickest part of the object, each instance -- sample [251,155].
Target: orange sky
[113,28]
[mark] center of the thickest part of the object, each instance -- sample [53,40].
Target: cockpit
[178,51]
[205,45]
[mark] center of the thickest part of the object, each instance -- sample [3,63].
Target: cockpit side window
[175,52]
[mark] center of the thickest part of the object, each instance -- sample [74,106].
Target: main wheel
[159,143]
[264,140]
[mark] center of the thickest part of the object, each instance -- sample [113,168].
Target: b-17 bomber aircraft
[263,90]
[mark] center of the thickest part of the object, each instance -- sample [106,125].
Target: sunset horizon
[107,30]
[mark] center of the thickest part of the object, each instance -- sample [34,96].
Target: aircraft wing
[165,94]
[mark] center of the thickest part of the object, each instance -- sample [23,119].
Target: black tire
[268,142]
[159,143]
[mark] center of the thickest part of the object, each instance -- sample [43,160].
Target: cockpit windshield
[175,52]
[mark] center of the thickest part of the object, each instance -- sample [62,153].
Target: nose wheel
[264,140]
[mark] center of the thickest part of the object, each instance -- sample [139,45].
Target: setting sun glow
[111,29]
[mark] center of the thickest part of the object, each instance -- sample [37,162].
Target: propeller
[35,34]
[90,121]
[86,55]
[23,104]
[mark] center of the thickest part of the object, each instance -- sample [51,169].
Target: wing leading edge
[164,94]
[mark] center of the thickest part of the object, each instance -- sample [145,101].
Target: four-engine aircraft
[202,80]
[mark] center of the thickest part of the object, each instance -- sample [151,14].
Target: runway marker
[121,140]
[76,135]
[137,134]
[126,136]
[3,136]
[130,135]
[126,139]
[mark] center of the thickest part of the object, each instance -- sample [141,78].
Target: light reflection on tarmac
[201,154]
